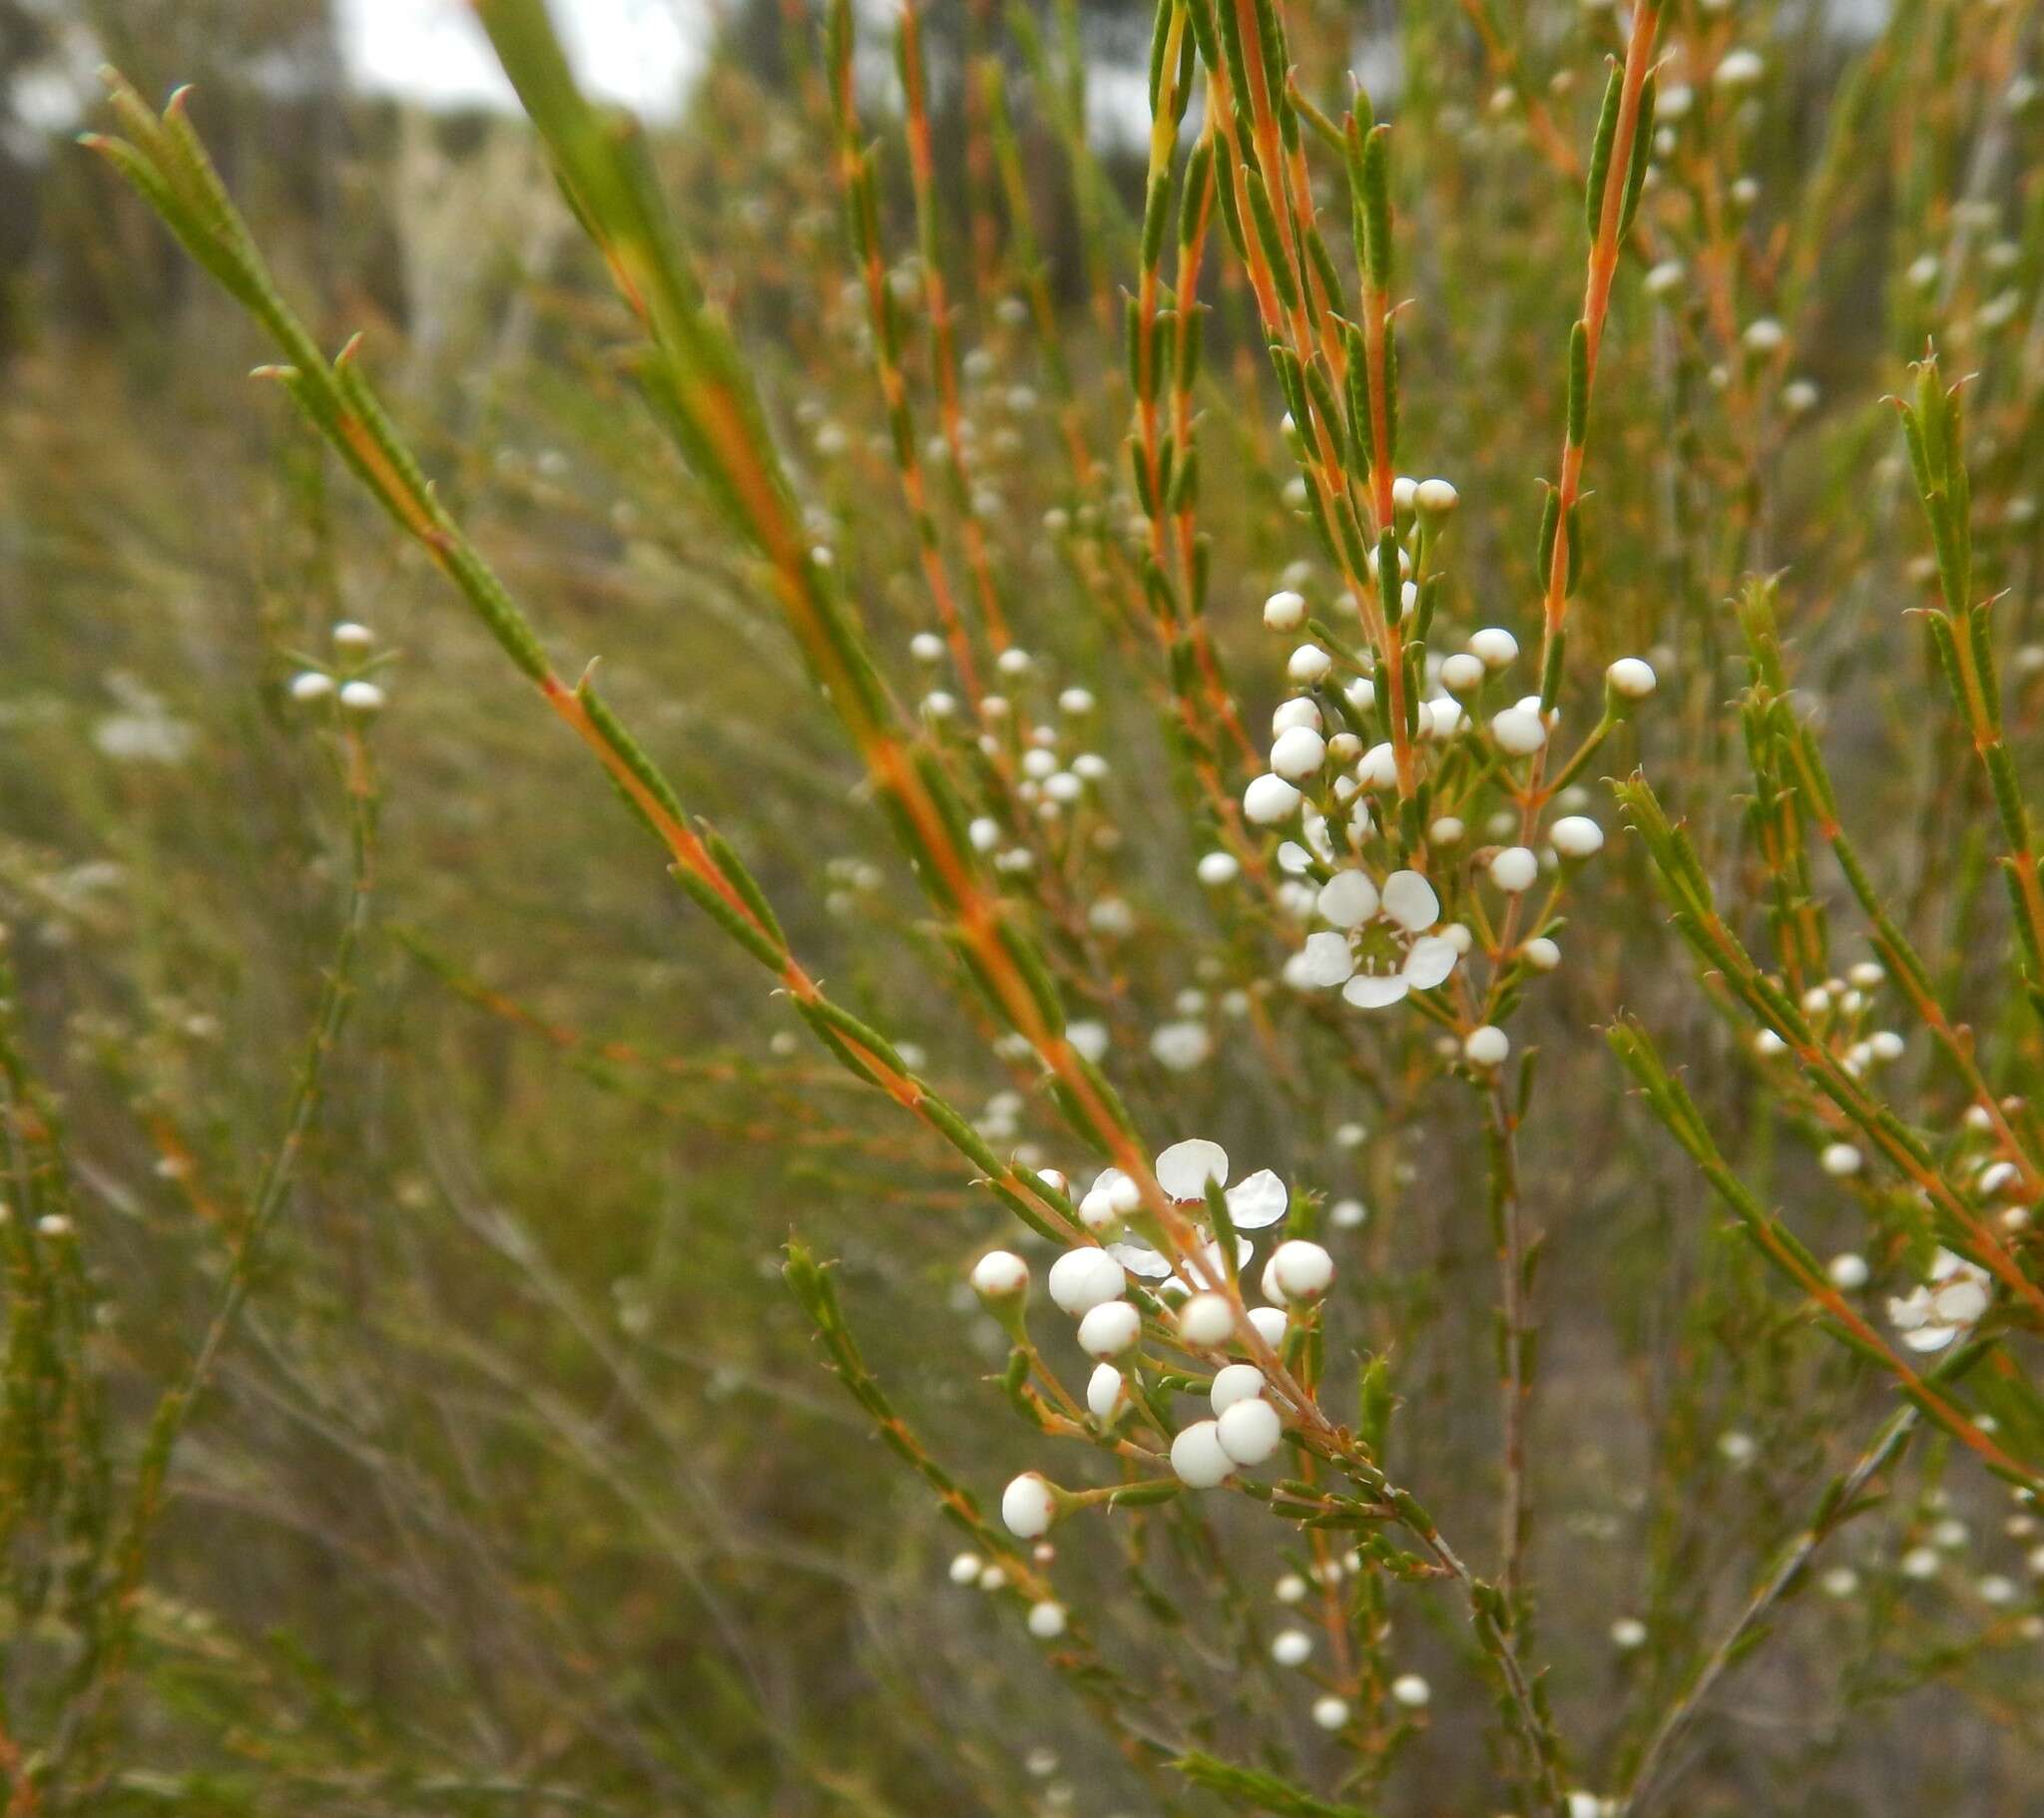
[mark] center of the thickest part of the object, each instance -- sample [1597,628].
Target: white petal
[1349,899]
[1960,1304]
[1183,1170]
[1411,903]
[1258,1201]
[1930,1339]
[1372,991]
[1327,960]
[1140,1259]
[1207,1269]
[1907,1314]
[1293,858]
[1429,961]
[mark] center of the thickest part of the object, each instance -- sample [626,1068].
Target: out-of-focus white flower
[1932,1315]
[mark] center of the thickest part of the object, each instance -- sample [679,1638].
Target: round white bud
[1540,953]
[1270,800]
[1331,1712]
[1046,1620]
[1462,672]
[1218,868]
[361,697]
[1206,1321]
[1102,1392]
[1000,1274]
[1519,732]
[1307,665]
[1233,1383]
[1494,647]
[1436,497]
[1514,869]
[1576,836]
[1029,1505]
[1298,710]
[1486,1046]
[1110,1329]
[348,636]
[1284,611]
[1291,1648]
[1410,1690]
[1632,677]
[1268,1323]
[1840,1159]
[1848,1271]
[312,684]
[1301,1269]
[1196,1456]
[1298,753]
[1249,1431]
[966,1567]
[1085,1278]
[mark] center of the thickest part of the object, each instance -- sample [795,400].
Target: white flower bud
[1270,1325]
[1000,1274]
[1632,677]
[1233,1383]
[1110,1329]
[1298,753]
[1301,1269]
[1284,611]
[1309,665]
[1848,1271]
[1298,710]
[1487,1045]
[1410,1690]
[1627,1633]
[1494,647]
[1518,732]
[1331,1712]
[1540,953]
[1291,1648]
[1046,1620]
[1102,1392]
[1738,70]
[1840,1159]
[1206,1321]
[1436,498]
[1462,672]
[1576,836]
[966,1567]
[926,647]
[1404,490]
[1514,869]
[348,636]
[312,684]
[1196,1456]
[1270,800]
[1249,1431]
[1029,1505]
[1085,1278]
[361,697]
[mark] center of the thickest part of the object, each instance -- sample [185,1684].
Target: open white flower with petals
[1183,1171]
[1381,946]
[1932,1317]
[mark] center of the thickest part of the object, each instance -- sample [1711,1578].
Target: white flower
[1196,1456]
[1218,868]
[1934,1314]
[1840,1159]
[1848,1271]
[1839,1581]
[1739,69]
[1627,1632]
[965,1568]
[1249,1431]
[1331,1712]
[1183,1171]
[1406,908]
[1411,1690]
[1028,1505]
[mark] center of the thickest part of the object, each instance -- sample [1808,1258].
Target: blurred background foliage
[518,1488]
